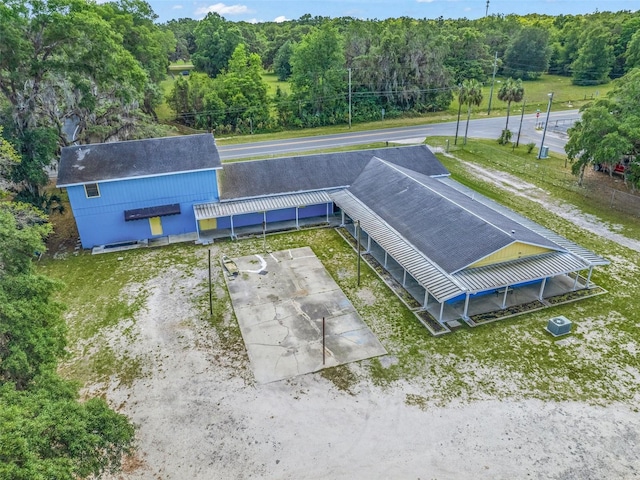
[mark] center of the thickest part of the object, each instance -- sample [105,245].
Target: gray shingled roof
[137,158]
[450,228]
[317,172]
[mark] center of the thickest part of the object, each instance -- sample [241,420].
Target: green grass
[271,79]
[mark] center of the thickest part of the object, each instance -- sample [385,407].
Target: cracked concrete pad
[279,300]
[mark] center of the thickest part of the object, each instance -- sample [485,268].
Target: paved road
[481,128]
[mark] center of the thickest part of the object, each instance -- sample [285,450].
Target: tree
[472,96]
[45,432]
[633,52]
[528,54]
[282,61]
[62,61]
[216,39]
[9,159]
[510,91]
[318,73]
[469,56]
[609,129]
[595,58]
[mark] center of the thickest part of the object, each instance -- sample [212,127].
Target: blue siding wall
[100,220]
[313,211]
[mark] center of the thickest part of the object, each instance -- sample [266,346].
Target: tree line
[396,66]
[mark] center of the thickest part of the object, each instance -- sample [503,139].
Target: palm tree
[473,96]
[511,91]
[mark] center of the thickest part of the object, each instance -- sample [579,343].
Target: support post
[327,213]
[404,277]
[544,282]
[368,244]
[504,297]
[297,220]
[342,215]
[589,277]
[232,234]
[358,235]
[441,311]
[210,290]
[575,282]
[466,307]
[385,259]
[426,299]
[323,341]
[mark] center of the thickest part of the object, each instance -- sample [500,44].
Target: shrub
[505,137]
[530,147]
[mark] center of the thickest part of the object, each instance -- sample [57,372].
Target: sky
[282,10]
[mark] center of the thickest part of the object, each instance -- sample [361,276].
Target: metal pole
[358,235]
[455,142]
[349,97]
[524,104]
[493,79]
[544,132]
[210,292]
[323,341]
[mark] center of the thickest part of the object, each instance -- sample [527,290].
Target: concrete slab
[279,300]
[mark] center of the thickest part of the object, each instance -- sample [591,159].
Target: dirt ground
[200,415]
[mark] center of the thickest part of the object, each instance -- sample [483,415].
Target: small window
[92,190]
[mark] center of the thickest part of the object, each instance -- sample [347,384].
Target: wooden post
[210,292]
[323,341]
[358,249]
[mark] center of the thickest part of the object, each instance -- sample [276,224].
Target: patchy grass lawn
[514,358]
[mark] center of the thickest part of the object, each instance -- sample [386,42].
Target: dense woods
[73,71]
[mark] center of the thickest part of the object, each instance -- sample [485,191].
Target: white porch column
[426,299]
[589,277]
[466,307]
[385,259]
[327,213]
[441,311]
[575,282]
[297,223]
[342,215]
[368,244]
[544,282]
[504,297]
[232,234]
[404,277]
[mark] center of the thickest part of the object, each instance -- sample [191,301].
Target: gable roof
[317,172]
[103,162]
[450,228]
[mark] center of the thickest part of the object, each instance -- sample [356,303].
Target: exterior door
[156,225]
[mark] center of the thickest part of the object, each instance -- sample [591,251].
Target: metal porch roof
[427,273]
[262,204]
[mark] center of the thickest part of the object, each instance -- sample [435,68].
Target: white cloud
[424,1]
[176,7]
[222,9]
[281,19]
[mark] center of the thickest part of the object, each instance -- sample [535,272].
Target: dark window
[92,190]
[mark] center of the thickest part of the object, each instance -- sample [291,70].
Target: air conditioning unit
[559,326]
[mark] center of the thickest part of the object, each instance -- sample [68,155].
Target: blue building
[456,252]
[138,190]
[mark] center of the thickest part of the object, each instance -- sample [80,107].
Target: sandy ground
[201,415]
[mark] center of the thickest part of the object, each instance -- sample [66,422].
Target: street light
[544,132]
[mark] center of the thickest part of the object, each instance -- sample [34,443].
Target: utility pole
[493,78]
[486,12]
[544,132]
[349,97]
[524,104]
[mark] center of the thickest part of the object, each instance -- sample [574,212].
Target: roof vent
[513,232]
[558,326]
